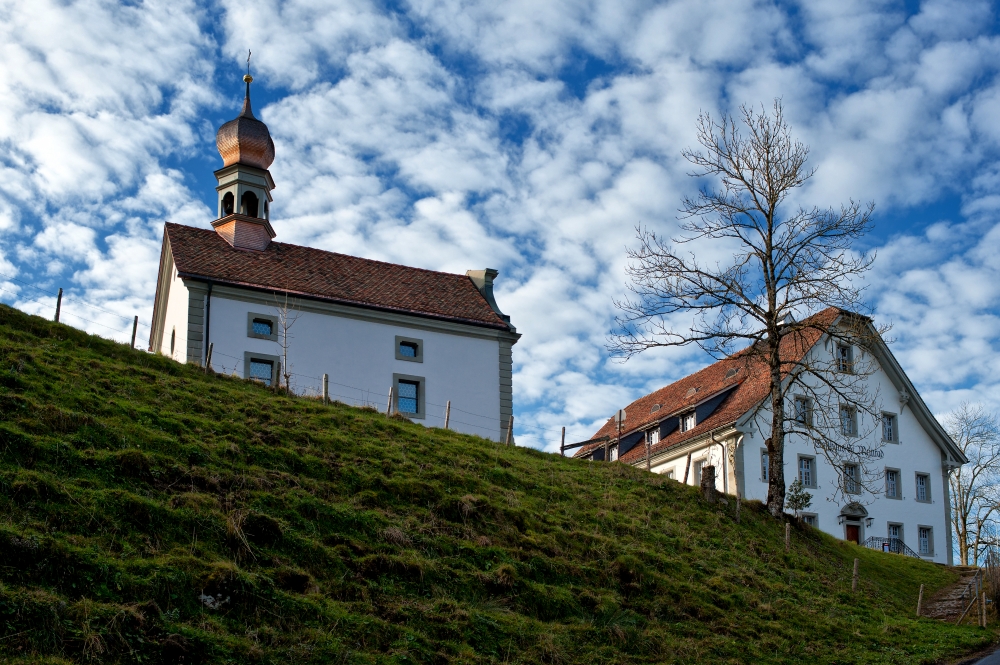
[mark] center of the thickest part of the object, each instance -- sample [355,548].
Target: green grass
[130,486]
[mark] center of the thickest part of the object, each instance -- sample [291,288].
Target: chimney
[483,279]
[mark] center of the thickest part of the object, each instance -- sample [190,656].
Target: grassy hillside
[152,514]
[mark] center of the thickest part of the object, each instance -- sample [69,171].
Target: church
[286,314]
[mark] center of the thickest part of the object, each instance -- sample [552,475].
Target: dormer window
[688,421]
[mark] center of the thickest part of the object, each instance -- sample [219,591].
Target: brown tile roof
[329,276]
[751,377]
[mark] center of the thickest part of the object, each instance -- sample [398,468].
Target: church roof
[728,388]
[321,275]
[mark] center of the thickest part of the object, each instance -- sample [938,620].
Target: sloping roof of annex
[729,389]
[329,276]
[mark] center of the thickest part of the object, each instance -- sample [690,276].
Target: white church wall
[360,358]
[176,319]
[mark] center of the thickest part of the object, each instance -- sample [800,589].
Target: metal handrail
[891,545]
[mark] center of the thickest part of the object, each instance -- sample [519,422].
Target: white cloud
[453,135]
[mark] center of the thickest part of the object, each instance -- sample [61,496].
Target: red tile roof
[751,376]
[329,276]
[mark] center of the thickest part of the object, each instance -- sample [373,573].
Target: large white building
[719,417]
[432,337]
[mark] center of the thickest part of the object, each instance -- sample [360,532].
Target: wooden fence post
[920,599]
[326,389]
[788,539]
[447,413]
[135,327]
[562,443]
[208,358]
[58,305]
[982,609]
[388,407]
[854,580]
[510,430]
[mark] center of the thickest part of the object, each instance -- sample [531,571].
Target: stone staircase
[949,603]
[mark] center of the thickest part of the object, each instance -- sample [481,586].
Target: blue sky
[527,136]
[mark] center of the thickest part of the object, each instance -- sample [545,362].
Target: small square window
[889,433]
[851,479]
[848,420]
[811,519]
[688,421]
[892,484]
[803,411]
[845,358]
[923,487]
[262,326]
[409,349]
[669,474]
[261,370]
[807,475]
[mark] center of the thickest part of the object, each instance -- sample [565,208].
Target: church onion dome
[245,140]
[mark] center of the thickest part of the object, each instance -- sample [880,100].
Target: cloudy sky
[527,136]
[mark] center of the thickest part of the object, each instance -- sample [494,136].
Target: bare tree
[975,487]
[784,265]
[287,316]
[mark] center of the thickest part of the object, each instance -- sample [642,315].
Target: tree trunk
[776,447]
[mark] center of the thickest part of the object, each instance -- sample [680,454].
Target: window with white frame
[812,519]
[807,471]
[925,541]
[892,484]
[923,487]
[852,484]
[654,437]
[688,421]
[697,471]
[669,474]
[803,411]
[848,420]
[889,432]
[845,358]
[764,465]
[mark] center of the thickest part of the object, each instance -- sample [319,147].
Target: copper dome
[245,140]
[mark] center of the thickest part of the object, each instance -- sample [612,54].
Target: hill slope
[150,513]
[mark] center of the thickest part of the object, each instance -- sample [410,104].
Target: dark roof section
[321,275]
[741,390]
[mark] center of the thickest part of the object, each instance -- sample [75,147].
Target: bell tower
[245,184]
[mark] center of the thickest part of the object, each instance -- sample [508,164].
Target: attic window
[691,391]
[656,407]
[732,372]
[688,421]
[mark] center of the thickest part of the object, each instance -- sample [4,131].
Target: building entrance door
[854,533]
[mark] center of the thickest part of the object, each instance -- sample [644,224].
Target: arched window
[248,204]
[227,204]
[266,211]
